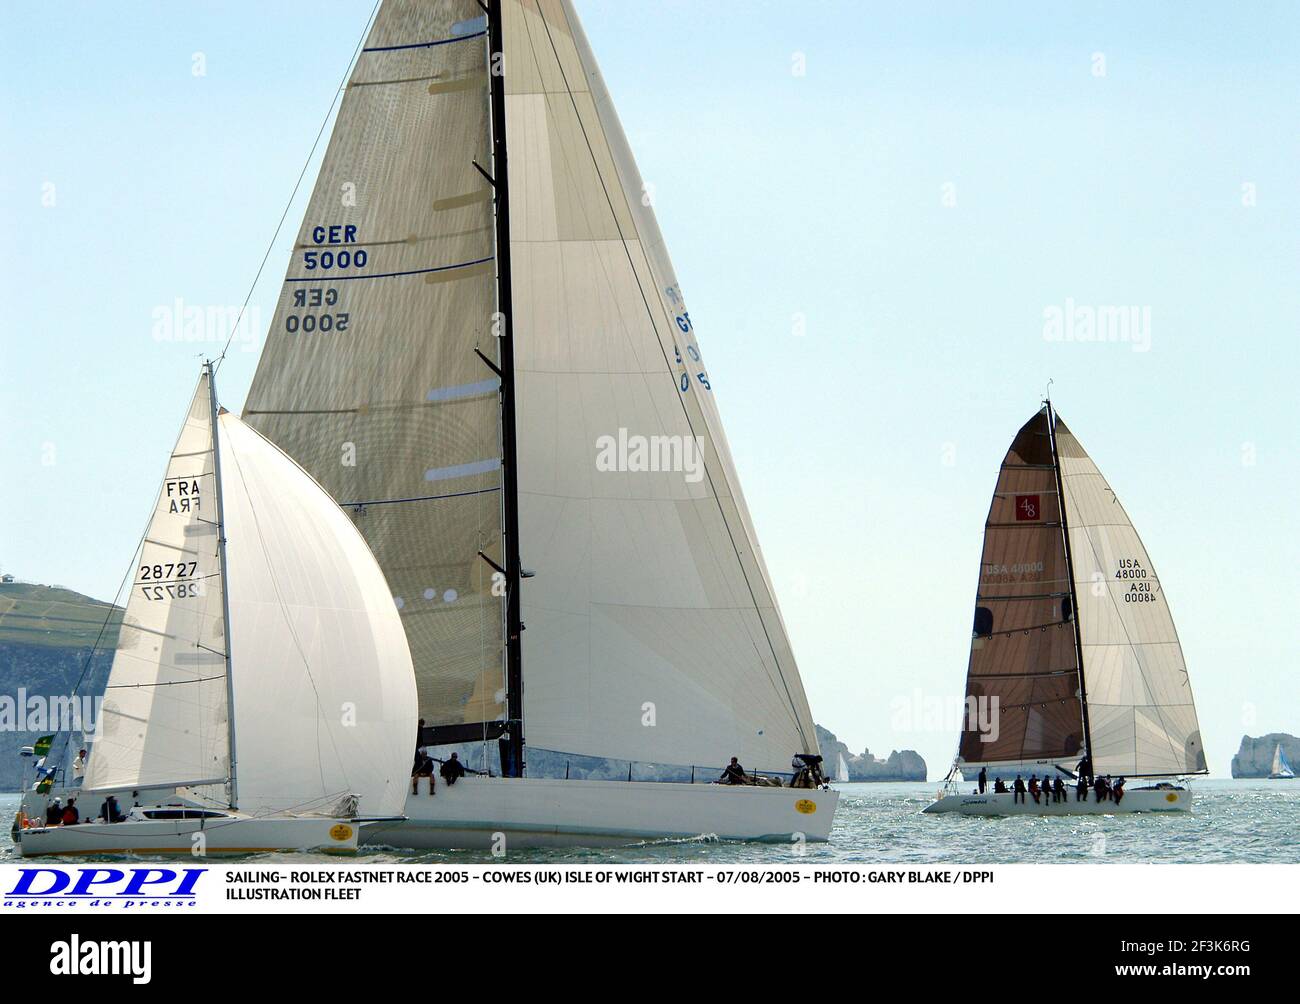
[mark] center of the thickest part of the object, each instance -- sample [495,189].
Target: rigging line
[419,498]
[388,275]
[686,413]
[298,185]
[320,717]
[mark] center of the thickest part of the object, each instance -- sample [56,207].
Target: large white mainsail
[375,375]
[652,630]
[1141,714]
[164,718]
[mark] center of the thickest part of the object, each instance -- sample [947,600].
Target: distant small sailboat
[842,774]
[258,620]
[1074,652]
[1281,769]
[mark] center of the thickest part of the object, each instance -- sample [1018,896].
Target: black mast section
[501,182]
[1069,571]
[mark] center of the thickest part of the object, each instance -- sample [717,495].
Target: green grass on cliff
[55,617]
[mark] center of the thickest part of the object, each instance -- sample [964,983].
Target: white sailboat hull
[228,835]
[1004,804]
[1282,776]
[541,812]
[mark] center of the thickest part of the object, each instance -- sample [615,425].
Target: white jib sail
[1141,714]
[653,632]
[325,701]
[163,720]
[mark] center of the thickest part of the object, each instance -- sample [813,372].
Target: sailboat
[1074,656]
[1281,769]
[261,696]
[482,352]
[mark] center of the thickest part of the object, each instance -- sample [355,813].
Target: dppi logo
[108,887]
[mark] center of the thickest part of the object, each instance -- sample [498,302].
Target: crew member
[733,773]
[110,811]
[983,779]
[452,770]
[423,767]
[1019,789]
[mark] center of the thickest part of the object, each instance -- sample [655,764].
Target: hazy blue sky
[938,177]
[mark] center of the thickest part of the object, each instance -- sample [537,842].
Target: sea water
[1232,822]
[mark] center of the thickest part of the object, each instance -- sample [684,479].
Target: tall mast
[225,579]
[1069,571]
[501,182]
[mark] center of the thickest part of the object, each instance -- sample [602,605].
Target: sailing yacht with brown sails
[1074,653]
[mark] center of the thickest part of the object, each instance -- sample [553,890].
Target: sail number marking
[313,299]
[684,323]
[171,580]
[1139,591]
[172,591]
[336,233]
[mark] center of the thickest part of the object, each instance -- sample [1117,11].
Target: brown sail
[1022,685]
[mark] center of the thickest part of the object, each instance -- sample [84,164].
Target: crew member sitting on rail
[452,770]
[1058,791]
[70,815]
[999,786]
[733,773]
[1019,787]
[807,771]
[1117,789]
[54,814]
[423,768]
[1033,787]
